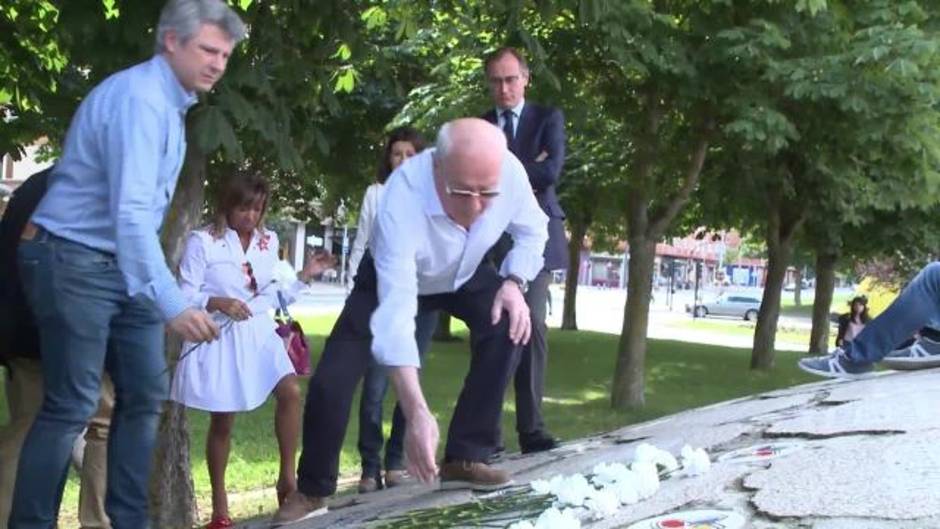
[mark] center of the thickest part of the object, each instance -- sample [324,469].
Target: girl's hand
[233,308]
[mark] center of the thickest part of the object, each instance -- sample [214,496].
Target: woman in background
[402,143]
[852,322]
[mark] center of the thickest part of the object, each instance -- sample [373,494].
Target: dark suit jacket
[542,128]
[17,328]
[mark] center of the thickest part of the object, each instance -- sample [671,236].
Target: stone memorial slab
[879,477]
[833,455]
[701,519]
[761,452]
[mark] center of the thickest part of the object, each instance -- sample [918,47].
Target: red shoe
[220,522]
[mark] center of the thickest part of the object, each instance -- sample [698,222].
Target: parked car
[735,305]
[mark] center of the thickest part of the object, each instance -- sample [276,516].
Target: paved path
[862,454]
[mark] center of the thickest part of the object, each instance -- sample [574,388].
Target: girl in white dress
[228,269]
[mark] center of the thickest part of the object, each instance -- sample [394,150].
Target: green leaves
[762,128]
[813,6]
[111,9]
[375,18]
[345,79]
[213,130]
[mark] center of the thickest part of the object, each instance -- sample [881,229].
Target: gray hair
[184,17]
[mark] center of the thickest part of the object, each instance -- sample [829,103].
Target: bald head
[471,138]
[468,161]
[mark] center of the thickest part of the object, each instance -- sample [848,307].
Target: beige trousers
[24,398]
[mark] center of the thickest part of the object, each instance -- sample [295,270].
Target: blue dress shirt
[119,166]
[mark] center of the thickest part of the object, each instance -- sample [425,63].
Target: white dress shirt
[419,250]
[516,112]
[238,371]
[370,204]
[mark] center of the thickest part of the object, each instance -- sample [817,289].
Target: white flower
[550,486]
[525,524]
[573,490]
[647,478]
[695,461]
[607,473]
[625,490]
[552,518]
[602,503]
[618,480]
[541,486]
[283,273]
[647,453]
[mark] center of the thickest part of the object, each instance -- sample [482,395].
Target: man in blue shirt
[93,271]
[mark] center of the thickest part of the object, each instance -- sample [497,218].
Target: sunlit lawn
[789,308]
[679,376]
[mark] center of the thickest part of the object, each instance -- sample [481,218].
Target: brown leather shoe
[393,478]
[367,485]
[298,506]
[473,475]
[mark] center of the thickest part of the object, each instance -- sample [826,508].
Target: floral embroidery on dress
[264,241]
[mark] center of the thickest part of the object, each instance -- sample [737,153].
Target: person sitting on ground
[851,323]
[442,210]
[402,143]
[916,306]
[228,268]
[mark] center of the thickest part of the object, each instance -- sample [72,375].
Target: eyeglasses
[499,81]
[252,282]
[483,193]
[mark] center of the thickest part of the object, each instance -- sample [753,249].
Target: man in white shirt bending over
[442,210]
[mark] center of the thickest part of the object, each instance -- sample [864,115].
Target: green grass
[725,327]
[740,328]
[679,376]
[805,310]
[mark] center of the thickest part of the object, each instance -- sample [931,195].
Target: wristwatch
[521,283]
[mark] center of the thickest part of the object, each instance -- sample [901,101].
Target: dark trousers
[473,432]
[374,387]
[529,381]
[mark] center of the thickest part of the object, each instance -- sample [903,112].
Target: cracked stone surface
[891,410]
[893,478]
[872,460]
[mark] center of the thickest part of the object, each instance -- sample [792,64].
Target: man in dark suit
[536,135]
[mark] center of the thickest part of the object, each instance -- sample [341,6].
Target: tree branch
[662,220]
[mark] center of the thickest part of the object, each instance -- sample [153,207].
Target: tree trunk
[798,287]
[172,493]
[569,320]
[442,331]
[825,285]
[628,391]
[780,242]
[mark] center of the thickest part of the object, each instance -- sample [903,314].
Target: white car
[735,305]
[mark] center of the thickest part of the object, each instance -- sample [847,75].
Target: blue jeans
[87,324]
[374,386]
[916,306]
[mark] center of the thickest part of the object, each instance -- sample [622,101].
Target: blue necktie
[507,126]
